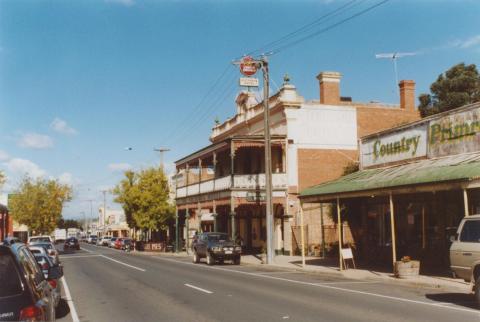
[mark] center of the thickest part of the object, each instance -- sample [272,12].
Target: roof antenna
[394,57]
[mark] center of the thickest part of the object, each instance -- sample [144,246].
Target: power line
[306,27]
[321,31]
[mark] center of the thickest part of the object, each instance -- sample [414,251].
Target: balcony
[240,182]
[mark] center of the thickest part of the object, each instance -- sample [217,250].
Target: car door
[466,249]
[42,292]
[201,245]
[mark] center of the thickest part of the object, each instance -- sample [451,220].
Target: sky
[82,80]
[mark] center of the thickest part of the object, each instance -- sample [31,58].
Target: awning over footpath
[457,168]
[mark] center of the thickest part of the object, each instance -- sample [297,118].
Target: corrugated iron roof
[462,167]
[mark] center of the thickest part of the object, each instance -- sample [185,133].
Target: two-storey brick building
[221,186]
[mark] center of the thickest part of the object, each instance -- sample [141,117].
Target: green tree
[127,194]
[2,179]
[39,203]
[144,199]
[460,85]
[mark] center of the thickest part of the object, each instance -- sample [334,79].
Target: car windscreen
[35,251]
[39,240]
[9,279]
[218,237]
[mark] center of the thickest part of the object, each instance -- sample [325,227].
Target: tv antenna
[394,57]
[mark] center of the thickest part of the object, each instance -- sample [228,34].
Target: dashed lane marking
[198,288]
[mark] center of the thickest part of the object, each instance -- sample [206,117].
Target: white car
[40,239]
[47,249]
[105,241]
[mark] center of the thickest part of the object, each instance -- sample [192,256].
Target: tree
[460,85]
[38,203]
[2,179]
[127,195]
[144,199]
[68,223]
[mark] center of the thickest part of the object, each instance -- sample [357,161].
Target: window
[9,279]
[31,267]
[471,231]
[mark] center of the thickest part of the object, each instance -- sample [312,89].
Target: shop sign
[404,145]
[249,81]
[454,134]
[253,196]
[248,66]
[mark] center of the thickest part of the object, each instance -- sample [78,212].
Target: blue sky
[82,80]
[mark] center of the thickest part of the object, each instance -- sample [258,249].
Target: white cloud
[66,178]
[119,167]
[465,43]
[4,156]
[126,3]
[61,126]
[24,167]
[35,141]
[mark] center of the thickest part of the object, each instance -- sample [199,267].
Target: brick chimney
[407,95]
[329,87]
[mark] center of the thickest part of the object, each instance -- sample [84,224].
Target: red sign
[248,66]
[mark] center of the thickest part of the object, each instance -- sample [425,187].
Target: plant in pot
[406,267]
[263,254]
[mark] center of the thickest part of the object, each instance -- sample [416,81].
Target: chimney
[407,95]
[329,87]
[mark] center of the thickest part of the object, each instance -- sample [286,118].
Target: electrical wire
[306,27]
[321,31]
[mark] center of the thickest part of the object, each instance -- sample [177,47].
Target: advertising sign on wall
[454,134]
[398,146]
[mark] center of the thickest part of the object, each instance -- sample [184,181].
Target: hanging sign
[249,81]
[248,66]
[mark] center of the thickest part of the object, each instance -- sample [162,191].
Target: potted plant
[407,267]
[263,254]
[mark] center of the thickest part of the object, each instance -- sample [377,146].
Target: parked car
[127,244]
[118,243]
[52,274]
[91,238]
[50,249]
[112,242]
[215,247]
[105,241]
[465,253]
[25,294]
[11,240]
[71,243]
[40,239]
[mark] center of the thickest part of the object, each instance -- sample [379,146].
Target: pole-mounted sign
[248,66]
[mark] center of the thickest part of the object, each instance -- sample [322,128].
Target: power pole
[162,151]
[104,209]
[245,67]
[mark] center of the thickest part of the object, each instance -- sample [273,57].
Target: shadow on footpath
[62,309]
[460,299]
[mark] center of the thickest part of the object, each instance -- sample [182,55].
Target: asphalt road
[102,284]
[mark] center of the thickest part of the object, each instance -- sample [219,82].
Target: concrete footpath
[327,267]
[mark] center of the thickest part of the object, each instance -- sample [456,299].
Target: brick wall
[317,166]
[373,119]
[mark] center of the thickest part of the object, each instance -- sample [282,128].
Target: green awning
[463,167]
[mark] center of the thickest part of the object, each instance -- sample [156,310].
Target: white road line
[198,288]
[399,299]
[69,300]
[88,251]
[345,282]
[78,256]
[119,262]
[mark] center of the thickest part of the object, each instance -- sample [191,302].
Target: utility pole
[248,67]
[104,209]
[162,151]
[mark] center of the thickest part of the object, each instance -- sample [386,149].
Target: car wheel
[477,291]
[196,259]
[236,261]
[210,260]
[221,262]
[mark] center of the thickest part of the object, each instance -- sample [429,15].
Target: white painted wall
[316,126]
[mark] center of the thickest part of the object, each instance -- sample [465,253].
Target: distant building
[112,222]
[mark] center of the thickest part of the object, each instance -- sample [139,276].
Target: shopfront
[416,182]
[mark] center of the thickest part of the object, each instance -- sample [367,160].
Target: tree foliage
[2,179]
[144,199]
[68,223]
[39,203]
[460,85]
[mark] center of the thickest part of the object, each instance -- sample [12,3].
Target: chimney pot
[407,95]
[329,87]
